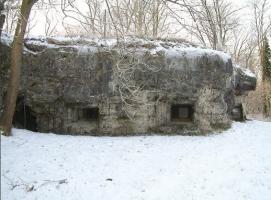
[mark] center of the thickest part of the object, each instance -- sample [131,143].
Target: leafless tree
[90,20]
[31,24]
[16,61]
[243,48]
[11,14]
[261,26]
[50,26]
[141,18]
[2,15]
[209,21]
[261,23]
[118,17]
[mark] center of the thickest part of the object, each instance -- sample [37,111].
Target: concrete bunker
[132,88]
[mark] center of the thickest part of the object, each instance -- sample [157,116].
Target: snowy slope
[233,165]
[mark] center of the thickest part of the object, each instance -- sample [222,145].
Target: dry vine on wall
[126,65]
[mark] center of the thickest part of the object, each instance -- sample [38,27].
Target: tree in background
[266,60]
[243,48]
[11,12]
[261,26]
[210,21]
[2,15]
[15,67]
[106,18]
[259,101]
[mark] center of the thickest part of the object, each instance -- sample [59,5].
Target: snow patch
[86,45]
[6,39]
[246,71]
[194,52]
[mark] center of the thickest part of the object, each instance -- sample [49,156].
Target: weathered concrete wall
[61,85]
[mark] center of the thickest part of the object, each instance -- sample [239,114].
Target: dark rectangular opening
[238,113]
[182,113]
[90,114]
[23,116]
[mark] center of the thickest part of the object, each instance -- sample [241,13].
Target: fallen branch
[46,182]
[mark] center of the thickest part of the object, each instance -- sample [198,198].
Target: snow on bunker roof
[170,47]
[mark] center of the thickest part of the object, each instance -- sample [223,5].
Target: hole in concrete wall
[89,114]
[182,113]
[24,116]
[237,113]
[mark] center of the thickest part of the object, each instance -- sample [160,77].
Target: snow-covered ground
[233,165]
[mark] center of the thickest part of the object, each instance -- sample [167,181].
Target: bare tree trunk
[15,67]
[2,20]
[105,23]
